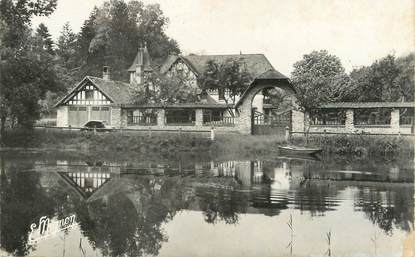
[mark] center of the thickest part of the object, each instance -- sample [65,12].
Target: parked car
[97,125]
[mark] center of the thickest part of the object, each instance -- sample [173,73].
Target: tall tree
[319,78]
[26,69]
[114,32]
[406,77]
[377,82]
[387,79]
[66,46]
[17,15]
[44,39]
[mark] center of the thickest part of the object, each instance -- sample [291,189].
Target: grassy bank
[361,145]
[228,145]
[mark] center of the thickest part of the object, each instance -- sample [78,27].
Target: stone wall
[199,117]
[198,126]
[349,122]
[185,128]
[116,119]
[297,121]
[62,116]
[393,128]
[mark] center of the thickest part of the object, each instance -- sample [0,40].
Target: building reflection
[121,207]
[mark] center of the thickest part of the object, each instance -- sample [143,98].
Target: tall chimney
[106,73]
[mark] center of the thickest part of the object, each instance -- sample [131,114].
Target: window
[328,117]
[142,117]
[217,118]
[406,116]
[375,116]
[89,94]
[180,116]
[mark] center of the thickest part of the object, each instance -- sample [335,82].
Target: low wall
[358,129]
[300,125]
[62,116]
[184,128]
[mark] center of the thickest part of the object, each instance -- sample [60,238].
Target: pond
[284,206]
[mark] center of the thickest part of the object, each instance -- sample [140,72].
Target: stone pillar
[116,117]
[161,117]
[243,122]
[62,116]
[297,121]
[349,123]
[199,117]
[395,121]
[124,119]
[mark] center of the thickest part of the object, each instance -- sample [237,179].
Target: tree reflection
[129,222]
[23,202]
[222,205]
[392,207]
[125,217]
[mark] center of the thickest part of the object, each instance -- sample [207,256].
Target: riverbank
[165,144]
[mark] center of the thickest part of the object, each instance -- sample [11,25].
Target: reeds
[328,240]
[291,227]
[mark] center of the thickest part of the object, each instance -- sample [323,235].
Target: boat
[285,156]
[299,150]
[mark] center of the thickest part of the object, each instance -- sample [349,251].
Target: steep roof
[118,92]
[142,58]
[165,67]
[270,75]
[256,64]
[269,78]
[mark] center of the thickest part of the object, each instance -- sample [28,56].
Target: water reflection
[122,208]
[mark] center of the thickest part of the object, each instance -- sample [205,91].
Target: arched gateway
[268,79]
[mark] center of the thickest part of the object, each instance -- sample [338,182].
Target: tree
[27,69]
[319,78]
[17,15]
[165,89]
[378,82]
[24,81]
[66,47]
[277,98]
[231,75]
[44,39]
[406,77]
[114,32]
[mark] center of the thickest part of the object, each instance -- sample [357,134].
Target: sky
[357,31]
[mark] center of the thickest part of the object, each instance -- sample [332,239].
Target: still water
[283,206]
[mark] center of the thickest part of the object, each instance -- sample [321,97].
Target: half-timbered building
[92,99]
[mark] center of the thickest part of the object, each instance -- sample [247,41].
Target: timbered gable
[88,94]
[180,68]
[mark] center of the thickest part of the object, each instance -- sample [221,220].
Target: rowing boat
[299,150]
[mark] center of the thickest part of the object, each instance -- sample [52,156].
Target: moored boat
[299,150]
